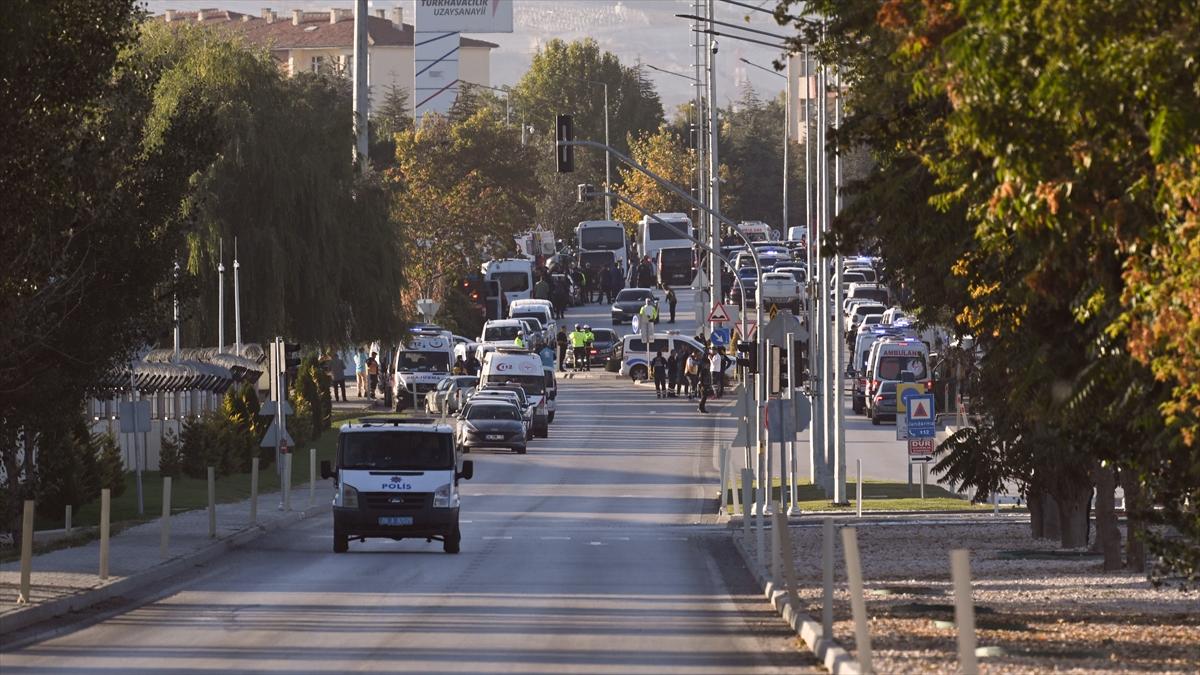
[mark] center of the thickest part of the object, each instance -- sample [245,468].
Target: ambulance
[420,364]
[890,358]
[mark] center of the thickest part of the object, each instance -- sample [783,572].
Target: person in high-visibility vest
[578,340]
[649,312]
[519,341]
[590,338]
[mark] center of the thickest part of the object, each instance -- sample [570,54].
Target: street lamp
[697,127]
[607,161]
[787,116]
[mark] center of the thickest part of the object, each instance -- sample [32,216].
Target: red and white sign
[919,411]
[718,314]
[920,448]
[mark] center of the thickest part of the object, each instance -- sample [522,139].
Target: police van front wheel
[638,373]
[452,540]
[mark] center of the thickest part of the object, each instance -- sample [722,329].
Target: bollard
[964,609]
[776,567]
[858,499]
[105,511]
[747,499]
[212,503]
[827,578]
[787,560]
[23,596]
[924,470]
[995,503]
[67,520]
[723,458]
[858,607]
[254,491]
[312,477]
[164,542]
[287,485]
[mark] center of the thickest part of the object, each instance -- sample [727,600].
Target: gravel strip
[1050,610]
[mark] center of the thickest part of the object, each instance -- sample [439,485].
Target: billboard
[465,16]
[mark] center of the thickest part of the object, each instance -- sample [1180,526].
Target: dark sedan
[491,425]
[883,407]
[629,302]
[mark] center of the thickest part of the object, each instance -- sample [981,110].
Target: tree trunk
[1051,521]
[1108,535]
[1037,519]
[1135,545]
[1074,501]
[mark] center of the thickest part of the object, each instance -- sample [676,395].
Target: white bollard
[995,503]
[287,486]
[827,578]
[924,472]
[312,477]
[164,541]
[747,500]
[212,503]
[858,606]
[787,560]
[105,511]
[254,491]
[723,458]
[858,498]
[23,596]
[964,609]
[67,520]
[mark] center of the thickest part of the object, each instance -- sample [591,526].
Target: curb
[831,654]
[35,614]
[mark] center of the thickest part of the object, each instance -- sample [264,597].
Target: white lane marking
[497,537]
[619,538]
[466,521]
[556,539]
[595,543]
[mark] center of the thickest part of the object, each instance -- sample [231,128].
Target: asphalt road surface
[594,553]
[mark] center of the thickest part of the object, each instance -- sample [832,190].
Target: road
[591,554]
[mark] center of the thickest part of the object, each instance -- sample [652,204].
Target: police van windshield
[512,282]
[395,450]
[423,362]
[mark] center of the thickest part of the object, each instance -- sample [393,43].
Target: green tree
[391,116]
[661,152]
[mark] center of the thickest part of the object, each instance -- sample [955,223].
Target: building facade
[317,41]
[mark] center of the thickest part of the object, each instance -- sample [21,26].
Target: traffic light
[564,154]
[748,355]
[472,287]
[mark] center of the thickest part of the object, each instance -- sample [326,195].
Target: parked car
[449,395]
[491,423]
[629,302]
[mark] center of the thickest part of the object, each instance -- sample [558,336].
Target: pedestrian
[649,312]
[559,296]
[673,373]
[704,385]
[372,375]
[693,373]
[715,371]
[671,302]
[589,283]
[541,290]
[658,366]
[589,338]
[561,341]
[337,375]
[472,365]
[519,341]
[460,366]
[360,371]
[725,363]
[578,341]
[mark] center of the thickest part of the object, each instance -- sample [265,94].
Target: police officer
[648,311]
[519,341]
[658,365]
[561,341]
[578,340]
[591,337]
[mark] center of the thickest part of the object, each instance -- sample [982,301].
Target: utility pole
[221,298]
[237,303]
[839,403]
[175,302]
[714,177]
[698,115]
[787,137]
[361,87]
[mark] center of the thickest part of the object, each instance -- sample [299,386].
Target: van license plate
[395,520]
[495,437]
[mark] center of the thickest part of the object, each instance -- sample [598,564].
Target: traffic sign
[904,391]
[719,337]
[920,449]
[131,412]
[718,314]
[272,434]
[919,416]
[774,311]
[268,409]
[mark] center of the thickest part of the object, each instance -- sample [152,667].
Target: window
[636,346]
[669,230]
[318,62]
[399,450]
[602,238]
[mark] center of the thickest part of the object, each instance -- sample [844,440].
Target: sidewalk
[67,580]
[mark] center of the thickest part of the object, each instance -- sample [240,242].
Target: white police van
[632,351]
[396,478]
[420,364]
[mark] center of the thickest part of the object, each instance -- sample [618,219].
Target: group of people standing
[367,372]
[691,372]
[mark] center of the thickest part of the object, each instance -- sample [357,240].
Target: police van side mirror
[468,470]
[327,469]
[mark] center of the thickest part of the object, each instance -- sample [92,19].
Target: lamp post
[607,160]
[787,116]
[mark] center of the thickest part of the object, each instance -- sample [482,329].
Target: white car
[632,351]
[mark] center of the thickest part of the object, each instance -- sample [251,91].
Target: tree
[392,116]
[563,78]
[461,192]
[661,153]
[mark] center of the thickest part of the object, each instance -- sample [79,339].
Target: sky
[632,29]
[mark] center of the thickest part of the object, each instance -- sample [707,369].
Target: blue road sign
[719,337]
[919,416]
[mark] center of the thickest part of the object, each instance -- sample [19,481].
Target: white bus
[598,239]
[653,235]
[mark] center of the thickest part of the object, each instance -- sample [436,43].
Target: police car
[632,351]
[396,478]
